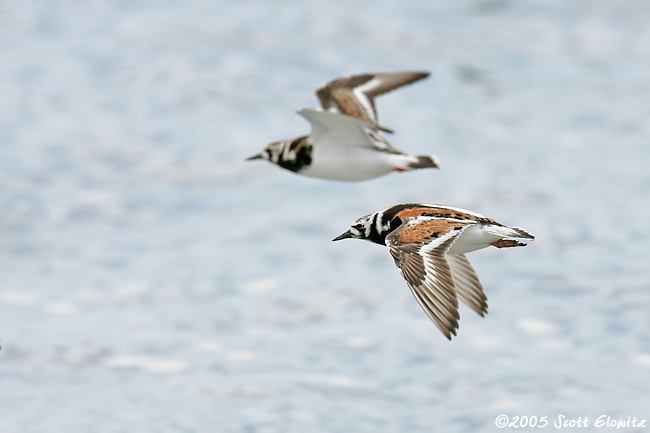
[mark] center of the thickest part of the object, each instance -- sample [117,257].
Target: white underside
[479,236]
[343,150]
[354,164]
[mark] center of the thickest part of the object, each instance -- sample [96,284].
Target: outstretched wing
[468,287]
[335,129]
[419,247]
[355,95]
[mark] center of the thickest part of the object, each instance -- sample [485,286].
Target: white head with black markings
[369,227]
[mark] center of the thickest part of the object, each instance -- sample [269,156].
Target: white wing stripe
[360,94]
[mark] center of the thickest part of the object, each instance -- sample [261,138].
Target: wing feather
[468,287]
[426,270]
[355,95]
[335,129]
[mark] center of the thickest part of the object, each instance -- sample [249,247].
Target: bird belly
[471,239]
[352,165]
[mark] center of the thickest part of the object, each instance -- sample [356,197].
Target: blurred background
[153,281]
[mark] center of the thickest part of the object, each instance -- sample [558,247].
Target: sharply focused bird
[346,141]
[428,244]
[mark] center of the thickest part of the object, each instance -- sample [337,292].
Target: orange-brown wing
[355,95]
[419,247]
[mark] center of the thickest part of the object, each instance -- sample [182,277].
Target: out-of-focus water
[153,281]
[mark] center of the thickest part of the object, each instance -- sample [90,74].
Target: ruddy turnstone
[346,142]
[428,244]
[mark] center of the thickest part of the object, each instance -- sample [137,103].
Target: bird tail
[424,161]
[523,233]
[508,232]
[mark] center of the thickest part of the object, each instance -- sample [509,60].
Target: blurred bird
[346,141]
[428,244]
